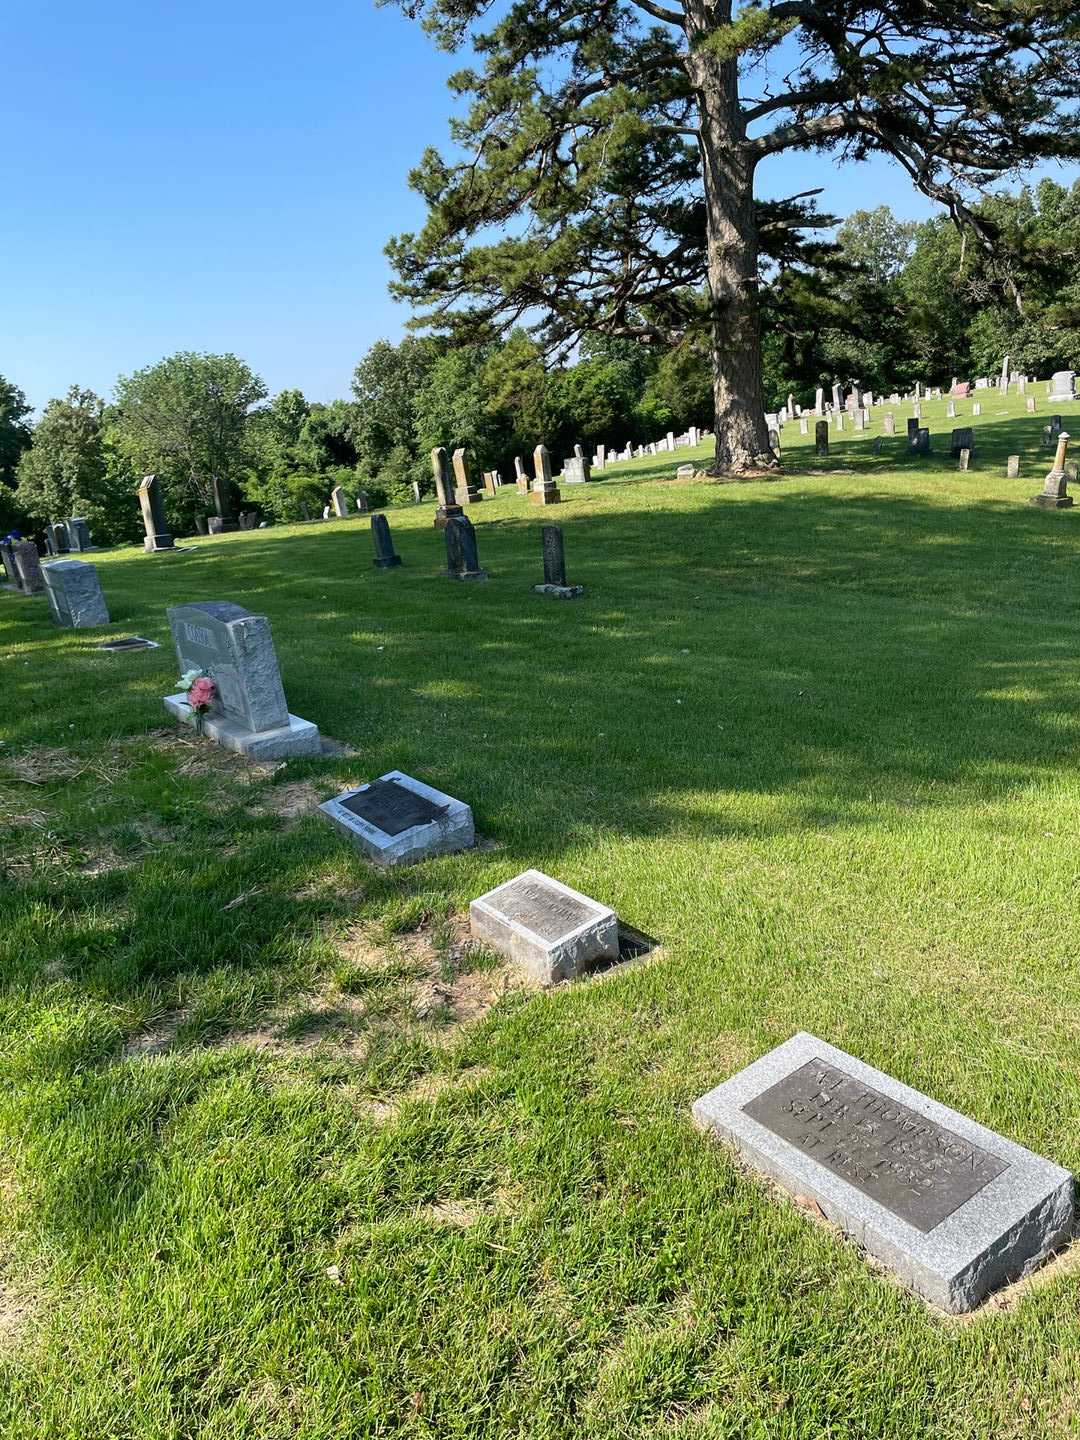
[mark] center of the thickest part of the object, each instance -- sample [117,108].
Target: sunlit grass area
[281,1155]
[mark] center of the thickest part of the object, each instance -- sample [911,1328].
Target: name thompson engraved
[911,1165]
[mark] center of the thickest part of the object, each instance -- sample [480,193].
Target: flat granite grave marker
[74,594]
[236,649]
[129,642]
[953,1209]
[398,820]
[544,926]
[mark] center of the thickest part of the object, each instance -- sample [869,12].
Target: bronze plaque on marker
[911,1165]
[392,808]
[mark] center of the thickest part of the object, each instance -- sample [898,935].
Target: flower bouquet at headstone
[201,692]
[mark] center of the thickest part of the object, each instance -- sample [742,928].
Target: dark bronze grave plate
[545,911]
[392,808]
[130,642]
[914,1167]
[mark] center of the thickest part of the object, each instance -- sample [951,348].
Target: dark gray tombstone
[922,441]
[963,439]
[223,507]
[152,503]
[462,560]
[202,525]
[74,594]
[386,557]
[7,558]
[821,437]
[363,504]
[78,535]
[913,431]
[50,542]
[551,537]
[236,649]
[28,567]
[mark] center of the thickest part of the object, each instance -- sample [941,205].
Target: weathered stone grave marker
[398,820]
[889,422]
[963,438]
[821,437]
[465,491]
[963,459]
[922,441]
[152,504]
[551,537]
[1055,492]
[544,491]
[544,926]
[386,557]
[953,1209]
[28,567]
[1063,385]
[1012,471]
[74,593]
[340,501]
[444,488]
[462,560]
[78,535]
[236,649]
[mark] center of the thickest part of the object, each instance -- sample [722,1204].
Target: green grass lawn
[281,1156]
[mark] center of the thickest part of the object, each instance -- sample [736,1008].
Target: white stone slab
[298,737]
[545,926]
[1011,1209]
[419,820]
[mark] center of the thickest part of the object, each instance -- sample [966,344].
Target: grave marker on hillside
[398,820]
[74,594]
[544,926]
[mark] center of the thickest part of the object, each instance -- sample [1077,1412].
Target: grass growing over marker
[280,1156]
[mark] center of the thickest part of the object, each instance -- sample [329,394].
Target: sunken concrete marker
[544,926]
[397,820]
[235,649]
[74,594]
[953,1209]
[152,504]
[555,567]
[462,560]
[386,557]
[1055,492]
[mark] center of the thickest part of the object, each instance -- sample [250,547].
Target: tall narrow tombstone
[28,567]
[671,439]
[78,535]
[819,401]
[50,543]
[836,397]
[774,441]
[202,524]
[839,416]
[601,456]
[804,425]
[1055,492]
[386,557]
[417,493]
[950,410]
[889,422]
[60,538]
[444,488]
[951,1208]
[223,506]
[465,491]
[340,501]
[462,560]
[976,408]
[7,559]
[821,437]
[1012,471]
[913,431]
[860,419]
[521,478]
[152,504]
[544,491]
[963,460]
[555,566]
[1029,405]
[236,650]
[74,593]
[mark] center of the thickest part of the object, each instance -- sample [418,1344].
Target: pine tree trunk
[742,438]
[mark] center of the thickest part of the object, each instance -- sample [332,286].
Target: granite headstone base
[953,1209]
[298,737]
[398,820]
[544,926]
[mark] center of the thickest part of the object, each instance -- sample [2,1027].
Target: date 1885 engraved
[914,1167]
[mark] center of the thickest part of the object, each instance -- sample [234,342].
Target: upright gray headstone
[576,470]
[551,537]
[1012,471]
[821,437]
[1063,385]
[78,533]
[462,560]
[465,489]
[386,557]
[152,504]
[223,506]
[951,1208]
[74,594]
[889,423]
[922,441]
[340,501]
[804,425]
[913,431]
[27,567]
[444,488]
[544,491]
[236,649]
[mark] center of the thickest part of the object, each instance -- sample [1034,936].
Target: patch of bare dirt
[43,763]
[290,802]
[17,1308]
[157,1038]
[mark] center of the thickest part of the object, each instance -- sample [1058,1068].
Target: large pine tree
[613,147]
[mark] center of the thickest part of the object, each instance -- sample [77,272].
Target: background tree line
[885,302]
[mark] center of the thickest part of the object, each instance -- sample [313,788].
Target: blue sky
[203,176]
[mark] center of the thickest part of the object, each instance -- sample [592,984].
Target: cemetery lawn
[281,1156]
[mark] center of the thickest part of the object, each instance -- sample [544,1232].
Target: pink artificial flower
[202,692]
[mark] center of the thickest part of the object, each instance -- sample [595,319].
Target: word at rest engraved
[911,1165]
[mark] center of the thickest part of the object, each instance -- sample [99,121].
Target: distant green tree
[14,439]
[68,470]
[186,418]
[386,386]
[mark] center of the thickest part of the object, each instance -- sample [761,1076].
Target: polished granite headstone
[236,649]
[953,1209]
[397,820]
[544,926]
[73,590]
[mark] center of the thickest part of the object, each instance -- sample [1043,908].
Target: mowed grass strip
[282,1156]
